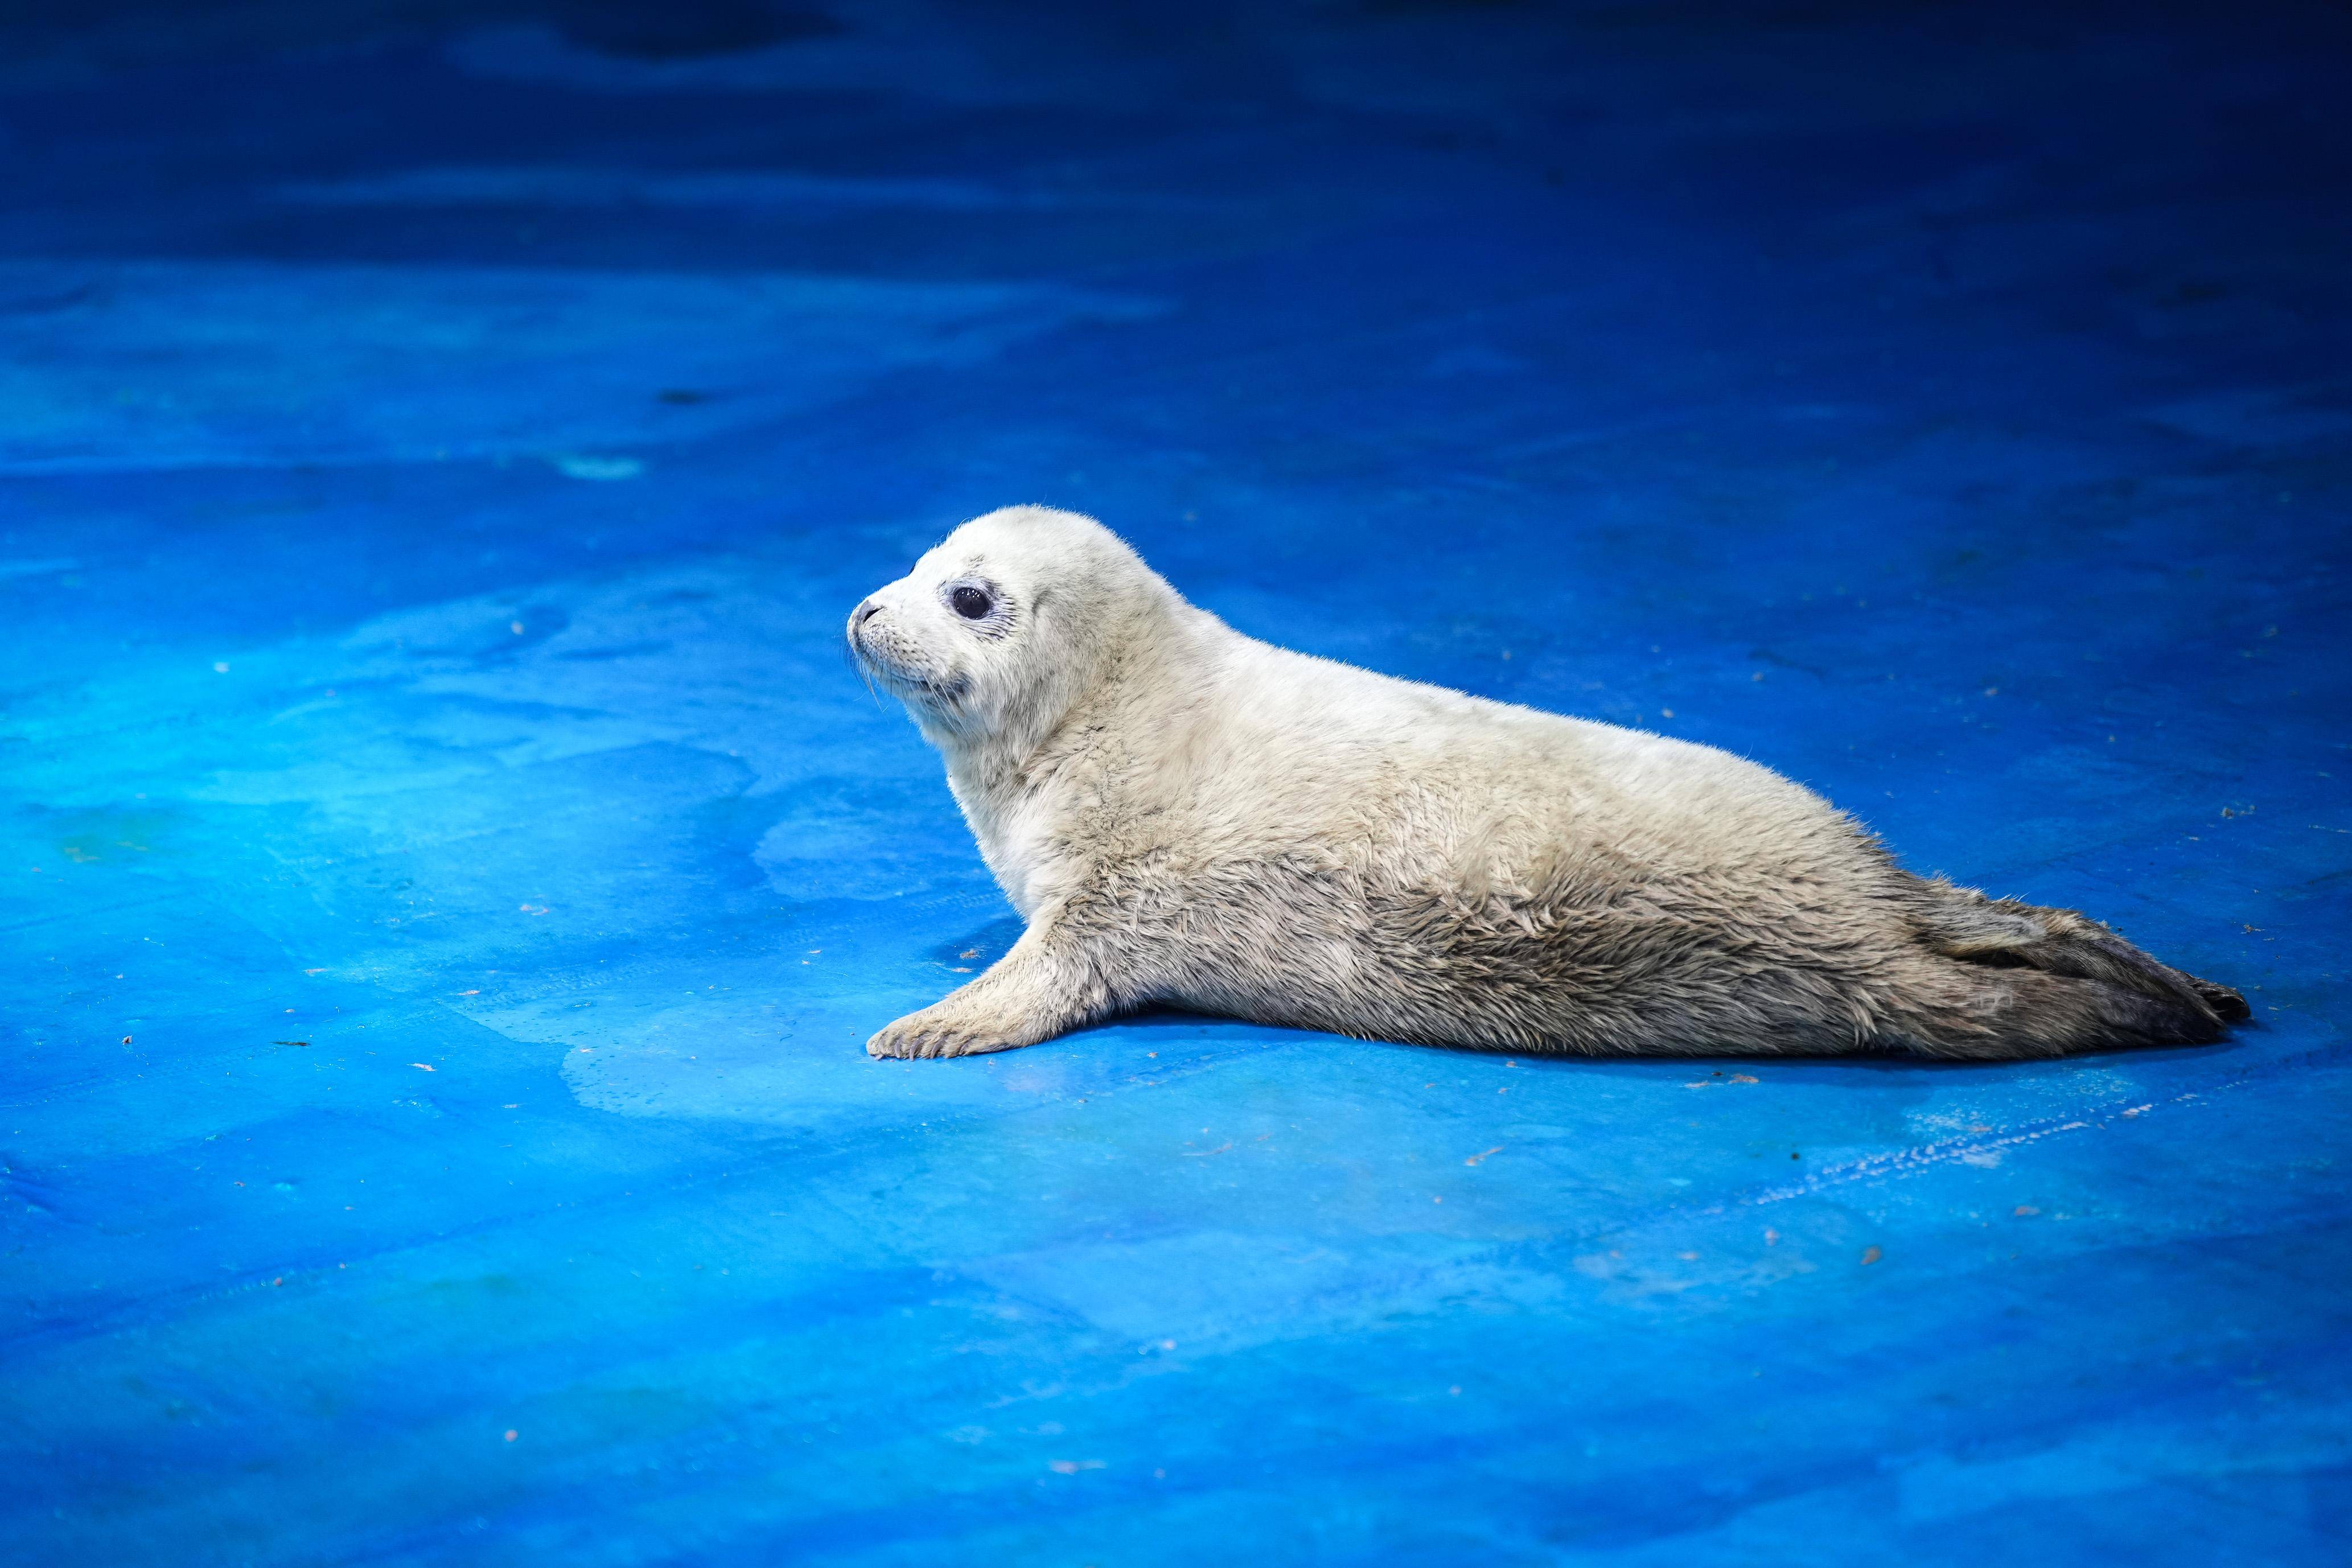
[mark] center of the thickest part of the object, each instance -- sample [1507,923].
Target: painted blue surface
[450,872]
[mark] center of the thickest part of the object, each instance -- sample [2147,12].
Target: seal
[1187,816]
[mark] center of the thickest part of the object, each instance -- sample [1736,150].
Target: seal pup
[1189,817]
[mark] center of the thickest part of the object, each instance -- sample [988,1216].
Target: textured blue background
[450,872]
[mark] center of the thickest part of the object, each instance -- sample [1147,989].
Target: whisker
[849,656]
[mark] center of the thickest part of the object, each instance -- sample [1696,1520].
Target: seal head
[1005,624]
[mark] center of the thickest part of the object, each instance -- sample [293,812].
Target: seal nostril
[862,613]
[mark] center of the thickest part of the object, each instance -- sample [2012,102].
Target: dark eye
[971,603]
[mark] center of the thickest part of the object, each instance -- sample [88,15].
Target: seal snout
[861,649]
[886,652]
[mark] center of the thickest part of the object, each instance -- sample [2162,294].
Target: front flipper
[1035,992]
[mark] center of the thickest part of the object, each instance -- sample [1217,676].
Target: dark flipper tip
[2227,1004]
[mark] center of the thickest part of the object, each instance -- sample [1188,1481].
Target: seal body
[1186,815]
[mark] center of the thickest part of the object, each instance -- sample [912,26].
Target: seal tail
[2051,982]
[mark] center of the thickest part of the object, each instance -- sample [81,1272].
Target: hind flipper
[1962,922]
[2227,1005]
[1969,1011]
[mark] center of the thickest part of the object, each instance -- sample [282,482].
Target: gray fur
[1187,816]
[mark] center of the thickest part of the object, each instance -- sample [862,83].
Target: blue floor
[450,873]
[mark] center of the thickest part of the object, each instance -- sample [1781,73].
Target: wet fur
[1187,816]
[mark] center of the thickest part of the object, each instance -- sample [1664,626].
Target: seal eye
[971,603]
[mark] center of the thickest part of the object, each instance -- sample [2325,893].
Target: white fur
[1184,815]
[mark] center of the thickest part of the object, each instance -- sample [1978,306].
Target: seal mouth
[906,684]
[936,691]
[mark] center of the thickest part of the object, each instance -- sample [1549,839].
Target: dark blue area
[450,871]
